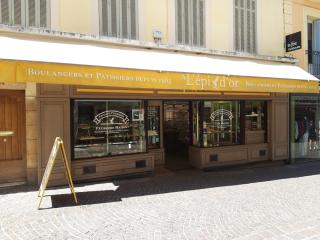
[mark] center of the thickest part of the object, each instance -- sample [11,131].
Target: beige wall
[77,16]
[270,27]
[301,12]
[160,15]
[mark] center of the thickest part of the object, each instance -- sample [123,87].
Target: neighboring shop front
[304,127]
[128,118]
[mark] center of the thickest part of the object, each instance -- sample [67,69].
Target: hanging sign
[58,144]
[293,42]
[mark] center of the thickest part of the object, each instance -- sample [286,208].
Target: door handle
[6,133]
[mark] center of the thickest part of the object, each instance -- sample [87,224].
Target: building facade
[304,17]
[133,85]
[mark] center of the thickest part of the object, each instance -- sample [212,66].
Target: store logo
[222,119]
[112,117]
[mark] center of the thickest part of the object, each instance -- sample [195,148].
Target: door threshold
[12,184]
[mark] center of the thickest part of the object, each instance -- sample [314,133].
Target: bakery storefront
[123,112]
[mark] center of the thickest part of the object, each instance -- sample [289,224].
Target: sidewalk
[260,203]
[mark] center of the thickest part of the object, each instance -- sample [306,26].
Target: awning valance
[77,64]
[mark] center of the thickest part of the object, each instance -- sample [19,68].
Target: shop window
[108,128]
[153,127]
[221,123]
[25,13]
[245,33]
[255,121]
[190,28]
[305,127]
[118,18]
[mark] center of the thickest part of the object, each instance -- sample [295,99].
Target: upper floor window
[118,18]
[245,25]
[190,18]
[25,13]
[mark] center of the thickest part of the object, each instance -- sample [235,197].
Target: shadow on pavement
[179,181]
[188,180]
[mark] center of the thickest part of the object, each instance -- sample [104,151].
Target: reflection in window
[305,127]
[255,115]
[105,128]
[255,122]
[196,123]
[153,127]
[221,125]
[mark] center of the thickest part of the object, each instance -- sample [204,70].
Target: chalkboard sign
[58,144]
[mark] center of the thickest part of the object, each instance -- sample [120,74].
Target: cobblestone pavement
[280,202]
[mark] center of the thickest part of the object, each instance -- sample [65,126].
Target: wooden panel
[2,127]
[12,148]
[229,156]
[111,166]
[254,137]
[158,156]
[281,122]
[280,131]
[54,122]
[256,152]
[53,90]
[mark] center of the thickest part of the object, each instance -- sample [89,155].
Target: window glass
[255,115]
[118,18]
[305,127]
[107,128]
[221,123]
[153,127]
[255,122]
[190,22]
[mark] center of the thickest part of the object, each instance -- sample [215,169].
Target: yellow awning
[62,63]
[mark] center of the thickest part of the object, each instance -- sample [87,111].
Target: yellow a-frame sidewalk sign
[58,144]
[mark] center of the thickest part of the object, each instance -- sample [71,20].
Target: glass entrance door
[176,133]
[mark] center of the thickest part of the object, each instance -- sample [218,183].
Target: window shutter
[104,17]
[31,13]
[186,22]
[124,18]
[179,19]
[201,23]
[242,29]
[43,13]
[245,25]
[4,14]
[133,20]
[248,27]
[237,25]
[17,9]
[195,22]
[114,14]
[254,27]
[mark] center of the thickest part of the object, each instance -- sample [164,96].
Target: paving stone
[262,203]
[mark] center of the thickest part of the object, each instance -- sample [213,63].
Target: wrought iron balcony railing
[314,63]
